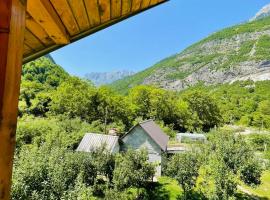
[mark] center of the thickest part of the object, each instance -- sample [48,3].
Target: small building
[190,138]
[147,135]
[93,141]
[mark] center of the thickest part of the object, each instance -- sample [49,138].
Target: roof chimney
[113,131]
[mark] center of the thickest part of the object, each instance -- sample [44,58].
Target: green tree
[184,168]
[205,108]
[72,98]
[132,169]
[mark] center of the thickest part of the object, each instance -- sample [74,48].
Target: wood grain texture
[45,15]
[116,8]
[11,51]
[80,13]
[126,6]
[104,10]
[93,12]
[31,41]
[26,49]
[38,31]
[65,13]
[145,4]
[92,8]
[136,5]
[153,2]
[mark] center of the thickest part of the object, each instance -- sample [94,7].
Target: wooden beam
[31,41]
[104,10]
[45,15]
[136,4]
[80,13]
[88,32]
[38,31]
[64,11]
[153,2]
[145,4]
[93,12]
[126,6]
[116,8]
[12,15]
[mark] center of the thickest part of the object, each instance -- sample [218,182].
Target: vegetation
[205,53]
[55,114]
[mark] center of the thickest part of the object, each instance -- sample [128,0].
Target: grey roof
[92,141]
[155,132]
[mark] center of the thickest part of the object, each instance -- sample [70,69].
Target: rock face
[264,12]
[101,78]
[238,53]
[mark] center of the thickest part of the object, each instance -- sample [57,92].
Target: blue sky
[141,41]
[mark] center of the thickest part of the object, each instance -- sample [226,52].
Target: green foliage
[39,79]
[184,168]
[227,158]
[260,142]
[195,58]
[72,98]
[44,71]
[63,132]
[262,48]
[205,108]
[255,26]
[132,169]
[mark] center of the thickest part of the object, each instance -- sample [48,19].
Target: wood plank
[136,5]
[80,13]
[126,6]
[45,15]
[11,51]
[116,8]
[64,11]
[153,2]
[26,49]
[93,12]
[104,10]
[145,4]
[38,31]
[31,41]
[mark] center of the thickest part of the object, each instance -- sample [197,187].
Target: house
[93,141]
[147,135]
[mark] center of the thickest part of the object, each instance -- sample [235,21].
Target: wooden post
[12,25]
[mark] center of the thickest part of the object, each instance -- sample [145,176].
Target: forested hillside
[56,110]
[240,52]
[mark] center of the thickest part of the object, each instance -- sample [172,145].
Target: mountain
[264,12]
[101,78]
[236,53]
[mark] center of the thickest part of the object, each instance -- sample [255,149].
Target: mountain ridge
[101,78]
[225,56]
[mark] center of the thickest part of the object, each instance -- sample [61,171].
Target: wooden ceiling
[51,24]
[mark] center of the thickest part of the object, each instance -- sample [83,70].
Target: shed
[147,135]
[93,141]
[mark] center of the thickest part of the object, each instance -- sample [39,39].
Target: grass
[263,190]
[170,187]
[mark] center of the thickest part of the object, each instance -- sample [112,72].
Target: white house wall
[139,139]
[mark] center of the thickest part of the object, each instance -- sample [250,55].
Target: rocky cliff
[236,53]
